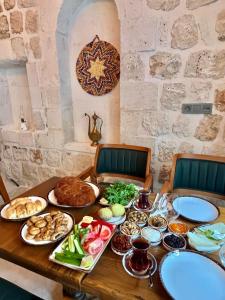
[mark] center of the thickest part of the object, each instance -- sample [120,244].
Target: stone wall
[173,52]
[169,55]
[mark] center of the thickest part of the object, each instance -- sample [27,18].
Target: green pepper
[67,260]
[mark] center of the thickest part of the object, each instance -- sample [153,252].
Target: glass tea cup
[143,200]
[139,261]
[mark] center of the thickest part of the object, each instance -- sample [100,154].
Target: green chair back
[198,174]
[122,161]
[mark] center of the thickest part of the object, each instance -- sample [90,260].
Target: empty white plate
[189,275]
[195,209]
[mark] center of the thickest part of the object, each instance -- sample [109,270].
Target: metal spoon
[150,281]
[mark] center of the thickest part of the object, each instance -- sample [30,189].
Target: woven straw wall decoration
[98,67]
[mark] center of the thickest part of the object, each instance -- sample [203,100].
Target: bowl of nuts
[158,222]
[130,229]
[138,217]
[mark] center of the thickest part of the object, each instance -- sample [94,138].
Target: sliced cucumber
[78,247]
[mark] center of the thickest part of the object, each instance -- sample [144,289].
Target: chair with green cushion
[10,291]
[120,160]
[197,174]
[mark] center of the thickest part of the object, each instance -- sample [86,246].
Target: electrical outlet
[197,108]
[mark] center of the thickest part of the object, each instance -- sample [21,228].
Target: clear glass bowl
[222,255]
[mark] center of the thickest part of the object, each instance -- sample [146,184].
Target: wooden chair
[197,174]
[120,160]
[3,191]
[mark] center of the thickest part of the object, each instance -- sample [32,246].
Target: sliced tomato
[101,222]
[105,233]
[94,247]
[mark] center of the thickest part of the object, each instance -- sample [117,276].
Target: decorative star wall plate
[98,67]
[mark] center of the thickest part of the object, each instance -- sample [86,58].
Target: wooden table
[108,280]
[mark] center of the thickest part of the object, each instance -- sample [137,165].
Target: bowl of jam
[178,227]
[172,242]
[120,243]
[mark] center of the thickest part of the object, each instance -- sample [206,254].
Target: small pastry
[32,230]
[30,208]
[29,236]
[40,223]
[38,205]
[11,213]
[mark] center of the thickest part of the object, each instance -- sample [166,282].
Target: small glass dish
[130,229]
[175,237]
[178,227]
[158,222]
[138,217]
[222,255]
[153,236]
[120,243]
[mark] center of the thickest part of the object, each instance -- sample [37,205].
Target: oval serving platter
[33,199]
[33,242]
[53,200]
[186,274]
[195,209]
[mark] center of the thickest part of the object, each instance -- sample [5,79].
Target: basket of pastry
[22,208]
[46,228]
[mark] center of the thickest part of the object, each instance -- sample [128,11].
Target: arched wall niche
[77,23]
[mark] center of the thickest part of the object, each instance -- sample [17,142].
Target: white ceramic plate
[117,220]
[33,199]
[53,200]
[189,275]
[195,209]
[86,270]
[40,243]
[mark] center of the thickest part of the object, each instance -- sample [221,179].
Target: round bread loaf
[74,192]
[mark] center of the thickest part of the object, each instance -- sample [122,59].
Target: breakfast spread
[23,207]
[49,227]
[72,191]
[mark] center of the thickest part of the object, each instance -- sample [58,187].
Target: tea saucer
[127,268]
[142,209]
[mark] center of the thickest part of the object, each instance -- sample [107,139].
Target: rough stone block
[181,126]
[220,25]
[54,118]
[52,158]
[35,47]
[193,4]
[38,120]
[208,128]
[156,124]
[18,48]
[164,65]
[139,34]
[199,91]
[186,147]
[131,9]
[36,156]
[31,21]
[166,150]
[16,172]
[27,3]
[139,141]
[20,153]
[30,174]
[173,95]
[51,139]
[68,161]
[214,149]
[220,100]
[26,139]
[164,173]
[7,151]
[163,32]
[206,64]
[184,32]
[81,162]
[132,67]
[4,27]
[165,5]
[9,4]
[45,173]
[16,21]
[10,136]
[139,95]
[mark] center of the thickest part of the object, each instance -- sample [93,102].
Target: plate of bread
[47,228]
[73,192]
[23,208]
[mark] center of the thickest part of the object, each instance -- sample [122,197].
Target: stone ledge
[80,147]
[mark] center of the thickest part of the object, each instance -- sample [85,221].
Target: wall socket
[197,108]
